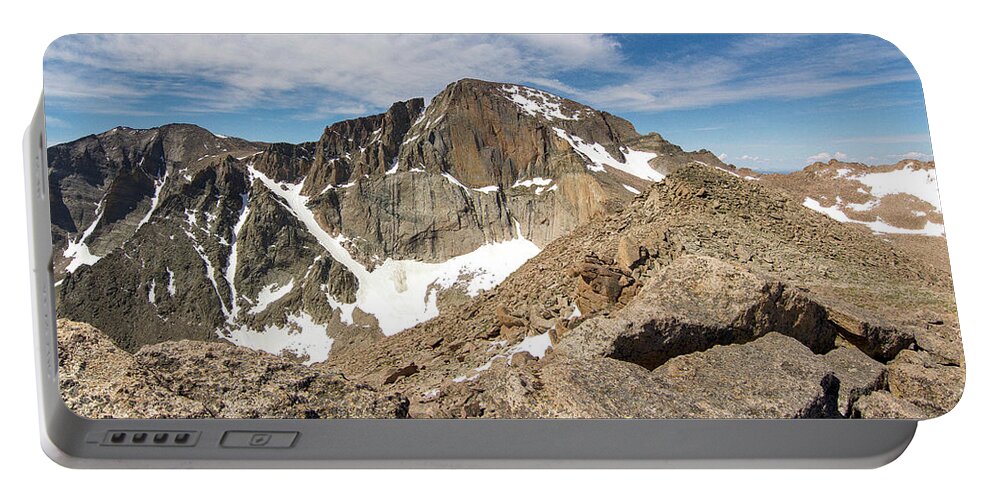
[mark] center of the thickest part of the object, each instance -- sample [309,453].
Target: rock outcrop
[189,379]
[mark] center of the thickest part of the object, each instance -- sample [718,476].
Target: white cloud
[825,157]
[752,158]
[913,155]
[722,156]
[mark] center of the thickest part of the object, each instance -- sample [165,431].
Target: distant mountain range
[391,250]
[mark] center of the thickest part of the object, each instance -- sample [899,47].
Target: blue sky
[770,102]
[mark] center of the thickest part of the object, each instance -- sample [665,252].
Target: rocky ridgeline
[707,294]
[710,296]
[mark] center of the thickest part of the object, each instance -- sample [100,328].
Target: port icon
[260,439]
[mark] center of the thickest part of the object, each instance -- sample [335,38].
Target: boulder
[399,373]
[772,377]
[601,287]
[629,253]
[858,374]
[883,404]
[693,305]
[505,318]
[874,337]
[925,381]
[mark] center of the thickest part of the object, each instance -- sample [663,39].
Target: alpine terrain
[497,252]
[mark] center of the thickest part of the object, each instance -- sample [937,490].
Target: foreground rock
[189,379]
[883,404]
[695,303]
[99,380]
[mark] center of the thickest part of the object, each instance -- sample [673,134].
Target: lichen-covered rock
[189,379]
[858,374]
[695,303]
[883,404]
[99,380]
[926,381]
[772,377]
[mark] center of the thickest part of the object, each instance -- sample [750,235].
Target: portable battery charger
[486,251]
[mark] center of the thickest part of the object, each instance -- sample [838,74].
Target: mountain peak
[528,100]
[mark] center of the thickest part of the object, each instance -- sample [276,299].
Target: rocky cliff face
[104,186]
[377,226]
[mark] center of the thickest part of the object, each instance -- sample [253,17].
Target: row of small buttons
[159,438]
[231,439]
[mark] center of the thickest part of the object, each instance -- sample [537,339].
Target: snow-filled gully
[398,293]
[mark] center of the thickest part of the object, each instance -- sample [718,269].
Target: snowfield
[78,251]
[302,336]
[635,163]
[921,183]
[878,226]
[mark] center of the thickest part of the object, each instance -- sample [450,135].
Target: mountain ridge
[241,230]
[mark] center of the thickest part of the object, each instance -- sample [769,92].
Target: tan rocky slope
[190,379]
[633,303]
[898,202]
[709,297]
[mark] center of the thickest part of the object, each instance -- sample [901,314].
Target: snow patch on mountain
[635,162]
[535,102]
[920,183]
[879,226]
[535,181]
[269,294]
[171,287]
[301,336]
[78,250]
[451,178]
[155,199]
[535,345]
[232,267]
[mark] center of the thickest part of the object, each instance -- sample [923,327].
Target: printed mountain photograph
[496,226]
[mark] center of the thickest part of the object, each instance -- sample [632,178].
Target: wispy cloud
[913,155]
[825,156]
[231,72]
[753,159]
[767,67]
